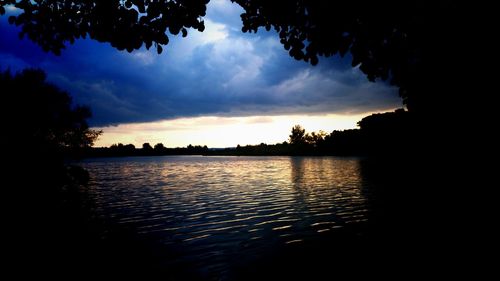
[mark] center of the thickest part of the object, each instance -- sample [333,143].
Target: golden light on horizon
[223,131]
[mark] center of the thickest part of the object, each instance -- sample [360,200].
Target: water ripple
[213,207]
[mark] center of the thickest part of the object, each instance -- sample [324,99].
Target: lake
[224,218]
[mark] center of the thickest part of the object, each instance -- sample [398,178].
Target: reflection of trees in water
[399,192]
[339,174]
[297,170]
[407,204]
[297,179]
[391,185]
[328,185]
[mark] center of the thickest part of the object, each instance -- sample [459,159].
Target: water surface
[215,217]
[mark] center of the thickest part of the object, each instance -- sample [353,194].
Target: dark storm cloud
[220,72]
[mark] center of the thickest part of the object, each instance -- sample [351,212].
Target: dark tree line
[382,134]
[121,150]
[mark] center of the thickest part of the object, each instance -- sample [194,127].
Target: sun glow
[222,131]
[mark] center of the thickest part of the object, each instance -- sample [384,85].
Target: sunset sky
[218,88]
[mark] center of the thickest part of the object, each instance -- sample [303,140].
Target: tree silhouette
[411,43]
[147,149]
[298,135]
[315,138]
[40,117]
[160,148]
[42,130]
[127,25]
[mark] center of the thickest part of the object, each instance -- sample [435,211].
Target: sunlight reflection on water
[216,207]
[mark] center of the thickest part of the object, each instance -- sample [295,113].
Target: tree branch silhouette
[127,25]
[400,41]
[412,44]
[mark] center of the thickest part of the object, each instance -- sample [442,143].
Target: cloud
[313,90]
[220,72]
[11,10]
[225,12]
[259,120]
[144,57]
[12,62]
[213,32]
